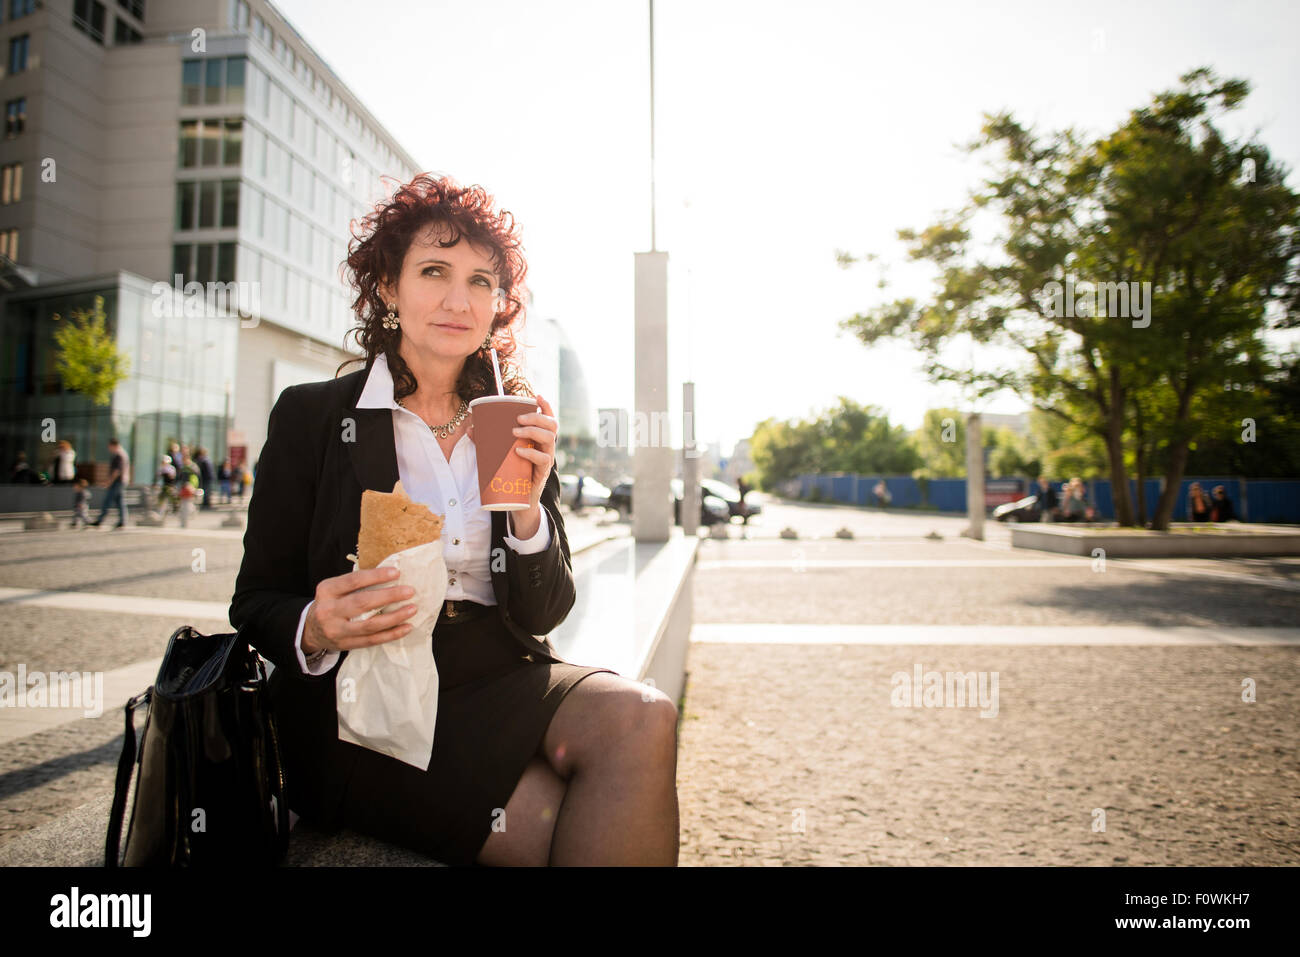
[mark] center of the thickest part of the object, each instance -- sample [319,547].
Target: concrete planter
[1183,540]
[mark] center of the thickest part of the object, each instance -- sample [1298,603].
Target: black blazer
[304,517]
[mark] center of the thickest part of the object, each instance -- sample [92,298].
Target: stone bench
[77,839]
[633,614]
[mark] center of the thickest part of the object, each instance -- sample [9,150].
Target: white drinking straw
[496,371]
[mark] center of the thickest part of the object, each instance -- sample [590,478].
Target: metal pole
[653,247]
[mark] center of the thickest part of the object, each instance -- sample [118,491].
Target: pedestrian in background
[1198,504]
[223,476]
[63,467]
[1049,503]
[119,473]
[188,480]
[1073,507]
[207,476]
[23,474]
[81,504]
[165,487]
[1221,509]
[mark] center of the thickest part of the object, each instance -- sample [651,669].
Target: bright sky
[784,130]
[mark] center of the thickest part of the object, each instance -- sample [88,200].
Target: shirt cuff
[538,543]
[322,666]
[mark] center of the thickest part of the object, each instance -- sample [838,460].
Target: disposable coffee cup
[505,478]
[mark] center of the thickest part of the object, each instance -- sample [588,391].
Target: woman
[1072,504]
[535,760]
[1198,504]
[64,466]
[165,482]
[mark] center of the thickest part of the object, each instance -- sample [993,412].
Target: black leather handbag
[210,788]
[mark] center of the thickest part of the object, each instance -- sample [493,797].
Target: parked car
[737,506]
[712,508]
[620,498]
[594,495]
[1023,510]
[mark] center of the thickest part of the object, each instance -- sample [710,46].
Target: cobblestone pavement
[1157,738]
[774,738]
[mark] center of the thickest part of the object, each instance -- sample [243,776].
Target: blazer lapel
[372,448]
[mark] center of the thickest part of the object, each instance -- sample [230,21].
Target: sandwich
[392,522]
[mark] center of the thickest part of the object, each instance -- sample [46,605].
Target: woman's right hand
[339,599]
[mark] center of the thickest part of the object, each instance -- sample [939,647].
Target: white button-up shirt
[449,488]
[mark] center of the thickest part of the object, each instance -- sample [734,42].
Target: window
[21,8]
[235,79]
[185,200]
[225,262]
[9,243]
[88,17]
[211,143]
[189,150]
[133,7]
[15,117]
[241,15]
[123,32]
[229,203]
[191,82]
[214,80]
[211,262]
[203,266]
[232,152]
[18,47]
[215,76]
[11,184]
[208,204]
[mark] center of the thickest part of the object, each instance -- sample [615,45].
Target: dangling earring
[390,320]
[487,342]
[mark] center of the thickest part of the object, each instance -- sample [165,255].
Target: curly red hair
[378,249]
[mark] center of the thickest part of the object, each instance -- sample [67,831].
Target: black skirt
[494,707]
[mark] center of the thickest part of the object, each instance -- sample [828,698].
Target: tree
[940,443]
[845,438]
[1182,256]
[87,359]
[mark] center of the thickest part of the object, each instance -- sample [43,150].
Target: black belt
[458,612]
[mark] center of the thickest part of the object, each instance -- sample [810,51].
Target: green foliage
[846,438]
[1164,199]
[87,359]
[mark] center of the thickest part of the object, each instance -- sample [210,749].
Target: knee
[647,719]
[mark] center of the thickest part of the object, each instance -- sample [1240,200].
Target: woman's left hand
[543,430]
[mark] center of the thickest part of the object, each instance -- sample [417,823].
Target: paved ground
[794,754]
[774,736]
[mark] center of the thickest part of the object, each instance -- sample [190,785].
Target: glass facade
[306,170]
[180,365]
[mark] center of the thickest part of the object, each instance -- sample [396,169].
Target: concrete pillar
[975,476]
[690,463]
[652,464]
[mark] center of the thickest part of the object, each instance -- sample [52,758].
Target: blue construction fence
[1266,501]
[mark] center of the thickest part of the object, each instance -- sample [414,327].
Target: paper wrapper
[388,693]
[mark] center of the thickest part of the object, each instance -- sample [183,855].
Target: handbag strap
[278,785]
[123,784]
